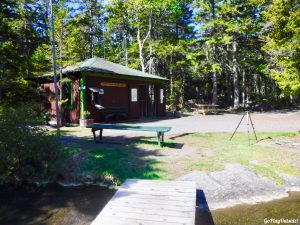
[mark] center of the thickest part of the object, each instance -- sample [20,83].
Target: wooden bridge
[150,202]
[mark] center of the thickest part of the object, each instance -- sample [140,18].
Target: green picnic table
[159,130]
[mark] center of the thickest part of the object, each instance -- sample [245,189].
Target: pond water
[56,205]
[286,208]
[53,205]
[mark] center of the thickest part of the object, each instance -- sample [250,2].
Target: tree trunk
[229,91]
[126,57]
[243,94]
[215,89]
[141,56]
[1,93]
[60,60]
[54,70]
[257,86]
[142,42]
[214,77]
[181,99]
[235,76]
[91,33]
[214,80]
[171,76]
[151,59]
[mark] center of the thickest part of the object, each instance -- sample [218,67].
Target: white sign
[133,94]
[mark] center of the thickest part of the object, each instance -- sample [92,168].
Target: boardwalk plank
[148,202]
[161,197]
[127,221]
[175,213]
[135,200]
[135,205]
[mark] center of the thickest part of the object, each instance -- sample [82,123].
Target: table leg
[159,139]
[94,134]
[162,137]
[100,134]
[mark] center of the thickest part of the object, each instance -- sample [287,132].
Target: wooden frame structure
[105,91]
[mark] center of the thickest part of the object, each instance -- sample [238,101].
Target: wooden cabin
[104,91]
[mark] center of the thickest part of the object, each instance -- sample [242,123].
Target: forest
[226,52]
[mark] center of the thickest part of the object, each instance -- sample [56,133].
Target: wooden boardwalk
[150,202]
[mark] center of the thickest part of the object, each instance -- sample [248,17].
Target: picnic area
[249,173]
[144,112]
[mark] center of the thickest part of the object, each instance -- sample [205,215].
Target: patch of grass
[266,161]
[264,170]
[202,135]
[123,163]
[143,159]
[272,169]
[287,169]
[276,134]
[208,166]
[69,150]
[151,143]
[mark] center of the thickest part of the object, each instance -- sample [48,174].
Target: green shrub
[28,153]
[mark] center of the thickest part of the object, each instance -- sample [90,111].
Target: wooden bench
[159,130]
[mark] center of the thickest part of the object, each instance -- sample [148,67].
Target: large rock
[234,185]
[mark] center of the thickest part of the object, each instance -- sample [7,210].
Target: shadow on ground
[203,213]
[117,157]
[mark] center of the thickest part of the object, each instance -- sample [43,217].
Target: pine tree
[22,30]
[282,38]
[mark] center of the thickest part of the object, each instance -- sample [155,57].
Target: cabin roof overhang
[98,67]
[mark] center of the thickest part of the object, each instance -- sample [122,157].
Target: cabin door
[151,100]
[143,95]
[147,100]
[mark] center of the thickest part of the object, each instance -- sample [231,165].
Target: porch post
[82,98]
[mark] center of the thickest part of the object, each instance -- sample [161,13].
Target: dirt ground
[206,160]
[274,121]
[281,120]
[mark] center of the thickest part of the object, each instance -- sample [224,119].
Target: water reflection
[53,205]
[286,208]
[58,205]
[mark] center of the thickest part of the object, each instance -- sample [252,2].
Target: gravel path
[267,121]
[277,121]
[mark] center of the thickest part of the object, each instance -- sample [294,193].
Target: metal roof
[101,65]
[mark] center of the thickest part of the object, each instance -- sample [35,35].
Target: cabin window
[67,95]
[162,96]
[133,94]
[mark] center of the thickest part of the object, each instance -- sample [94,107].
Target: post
[54,70]
[159,139]
[82,98]
[248,127]
[100,134]
[94,134]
